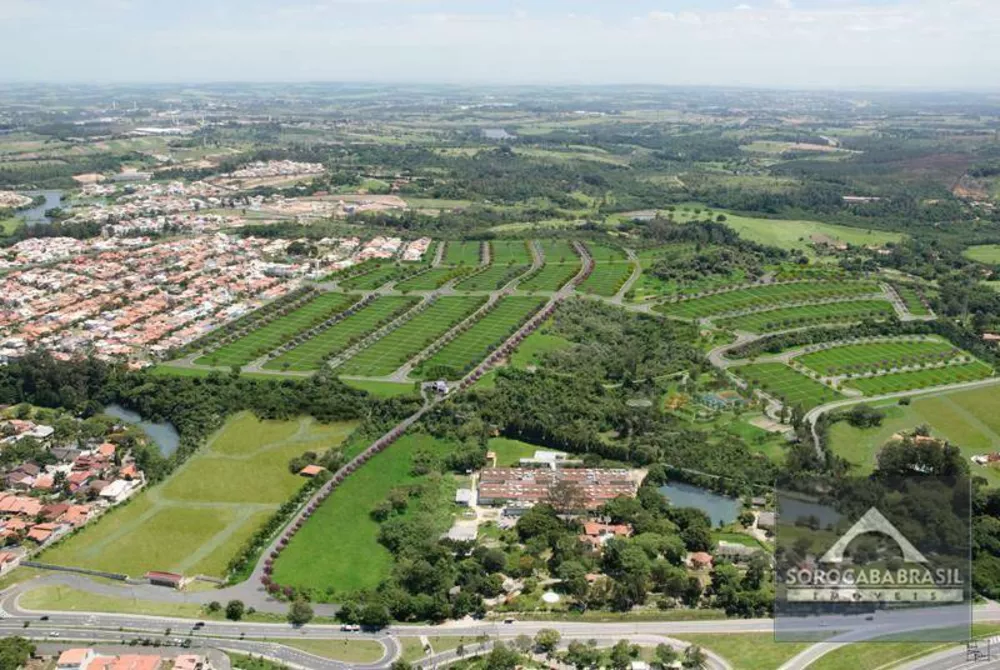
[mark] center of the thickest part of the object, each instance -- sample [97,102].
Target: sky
[826,44]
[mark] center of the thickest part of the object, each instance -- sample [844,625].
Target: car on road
[54,634]
[350,627]
[200,624]
[510,620]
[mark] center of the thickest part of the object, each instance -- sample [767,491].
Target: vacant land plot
[197,520]
[510,452]
[984,253]
[493,278]
[377,277]
[859,358]
[399,346]
[921,379]
[503,252]
[808,315]
[558,251]
[913,301]
[765,296]
[258,342]
[310,354]
[792,388]
[338,547]
[552,277]
[463,253]
[607,278]
[470,347]
[603,252]
[967,419]
[430,280]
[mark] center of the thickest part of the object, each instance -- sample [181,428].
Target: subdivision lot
[808,315]
[338,547]
[504,252]
[493,278]
[792,388]
[914,304]
[607,277]
[377,277]
[197,519]
[552,277]
[470,347]
[310,354]
[765,296]
[558,251]
[921,379]
[603,252]
[399,346]
[258,342]
[463,253]
[430,280]
[859,358]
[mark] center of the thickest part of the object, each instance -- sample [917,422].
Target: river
[719,508]
[163,434]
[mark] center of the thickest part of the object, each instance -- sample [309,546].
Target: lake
[719,508]
[37,214]
[163,434]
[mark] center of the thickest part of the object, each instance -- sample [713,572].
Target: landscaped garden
[200,517]
[399,346]
[792,388]
[808,315]
[309,355]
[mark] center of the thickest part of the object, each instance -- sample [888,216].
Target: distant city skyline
[815,44]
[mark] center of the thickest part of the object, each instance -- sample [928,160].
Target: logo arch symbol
[872,522]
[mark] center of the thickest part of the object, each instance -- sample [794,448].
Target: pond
[37,214]
[163,434]
[719,508]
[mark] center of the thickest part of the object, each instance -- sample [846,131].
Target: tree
[15,652]
[214,606]
[622,654]
[401,665]
[664,657]
[566,496]
[694,658]
[374,615]
[582,656]
[235,610]
[300,613]
[546,640]
[502,657]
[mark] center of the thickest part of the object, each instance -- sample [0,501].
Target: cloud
[783,4]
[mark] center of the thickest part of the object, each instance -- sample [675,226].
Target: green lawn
[765,297]
[430,280]
[808,315]
[310,354]
[558,250]
[967,419]
[914,302]
[984,253]
[530,351]
[262,340]
[376,278]
[884,655]
[10,226]
[503,252]
[867,357]
[463,253]
[382,389]
[197,519]
[605,253]
[607,277]
[493,278]
[348,651]
[474,344]
[551,277]
[748,651]
[509,452]
[921,379]
[785,383]
[399,346]
[338,547]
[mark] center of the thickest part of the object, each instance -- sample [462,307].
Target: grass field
[338,548]
[463,253]
[552,277]
[382,389]
[558,251]
[984,253]
[197,519]
[476,343]
[765,296]
[605,253]
[377,277]
[747,651]
[884,655]
[347,651]
[503,252]
[310,354]
[859,358]
[921,379]
[510,452]
[399,346]
[967,419]
[492,278]
[808,315]
[792,388]
[530,351]
[607,278]
[430,280]
[262,340]
[912,300]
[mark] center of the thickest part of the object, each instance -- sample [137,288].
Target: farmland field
[551,277]
[858,358]
[310,354]
[558,251]
[258,342]
[510,251]
[196,520]
[430,280]
[763,296]
[492,278]
[919,379]
[474,344]
[463,253]
[339,546]
[793,388]
[808,315]
[607,278]
[405,342]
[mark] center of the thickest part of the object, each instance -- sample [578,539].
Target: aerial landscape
[336,370]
